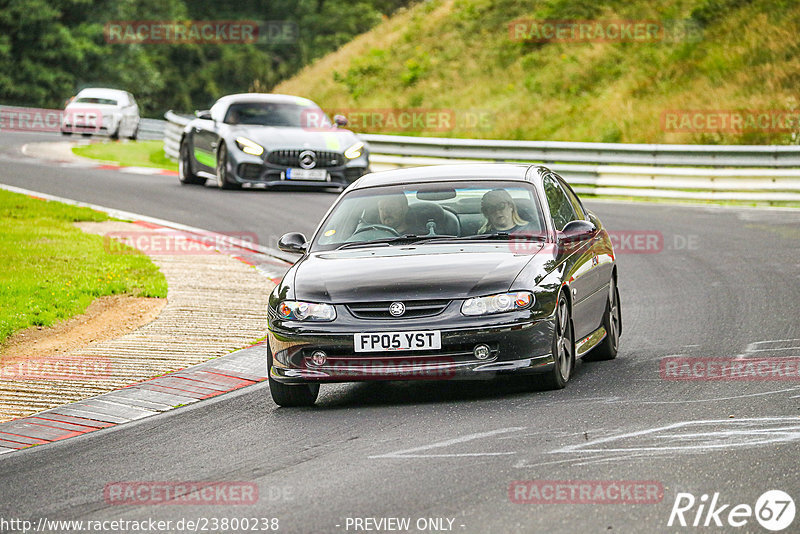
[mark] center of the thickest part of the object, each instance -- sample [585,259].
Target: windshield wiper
[402,239]
[501,236]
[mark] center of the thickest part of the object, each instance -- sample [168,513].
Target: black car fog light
[482,352]
[318,357]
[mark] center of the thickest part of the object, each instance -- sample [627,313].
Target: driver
[393,211]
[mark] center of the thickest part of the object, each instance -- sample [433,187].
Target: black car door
[578,256]
[602,260]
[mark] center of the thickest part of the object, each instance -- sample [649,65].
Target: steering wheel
[377,227]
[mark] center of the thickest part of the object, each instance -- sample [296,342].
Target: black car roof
[440,173]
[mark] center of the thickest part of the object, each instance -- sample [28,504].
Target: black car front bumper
[517,345]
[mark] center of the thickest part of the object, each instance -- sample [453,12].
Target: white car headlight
[295,310]
[502,302]
[249,147]
[354,151]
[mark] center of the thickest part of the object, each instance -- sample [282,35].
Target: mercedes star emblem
[308,160]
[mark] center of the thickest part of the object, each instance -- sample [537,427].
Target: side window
[573,198]
[561,209]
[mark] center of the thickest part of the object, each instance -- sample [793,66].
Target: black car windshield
[284,114]
[431,212]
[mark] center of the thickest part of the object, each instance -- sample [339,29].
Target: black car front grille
[414,308]
[291,158]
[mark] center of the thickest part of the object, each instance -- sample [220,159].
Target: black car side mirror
[340,121]
[203,114]
[577,231]
[293,242]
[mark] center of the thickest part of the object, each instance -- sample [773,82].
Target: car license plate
[388,341]
[307,174]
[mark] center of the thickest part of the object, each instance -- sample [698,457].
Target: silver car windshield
[271,114]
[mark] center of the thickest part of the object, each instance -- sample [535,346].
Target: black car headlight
[502,302]
[295,310]
[249,147]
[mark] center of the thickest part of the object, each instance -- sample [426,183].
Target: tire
[64,132]
[135,134]
[115,135]
[563,349]
[290,396]
[223,181]
[185,174]
[612,322]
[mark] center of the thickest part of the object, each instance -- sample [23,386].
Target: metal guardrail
[151,129]
[600,153]
[172,133]
[721,172]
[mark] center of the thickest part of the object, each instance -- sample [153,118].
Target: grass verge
[53,271]
[129,154]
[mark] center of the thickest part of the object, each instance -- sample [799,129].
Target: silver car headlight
[295,310]
[354,151]
[502,302]
[249,147]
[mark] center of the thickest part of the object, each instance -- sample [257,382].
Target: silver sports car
[270,140]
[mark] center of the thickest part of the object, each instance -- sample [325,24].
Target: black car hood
[409,272]
[274,138]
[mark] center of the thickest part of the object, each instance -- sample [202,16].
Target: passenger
[501,214]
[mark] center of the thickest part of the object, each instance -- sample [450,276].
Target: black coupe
[447,272]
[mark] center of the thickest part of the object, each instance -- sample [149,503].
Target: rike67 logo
[774,510]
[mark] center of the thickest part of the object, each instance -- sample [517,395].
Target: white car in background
[103,111]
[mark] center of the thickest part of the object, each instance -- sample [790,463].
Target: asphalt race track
[720,283]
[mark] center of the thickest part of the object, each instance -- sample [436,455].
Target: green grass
[458,55]
[53,271]
[129,154]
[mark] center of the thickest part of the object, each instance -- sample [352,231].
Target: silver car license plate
[307,174]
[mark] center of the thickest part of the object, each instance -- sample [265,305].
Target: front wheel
[563,349]
[185,174]
[612,322]
[223,174]
[290,396]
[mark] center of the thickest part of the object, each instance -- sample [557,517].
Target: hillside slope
[460,59]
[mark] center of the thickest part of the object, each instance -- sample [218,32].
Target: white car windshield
[95,100]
